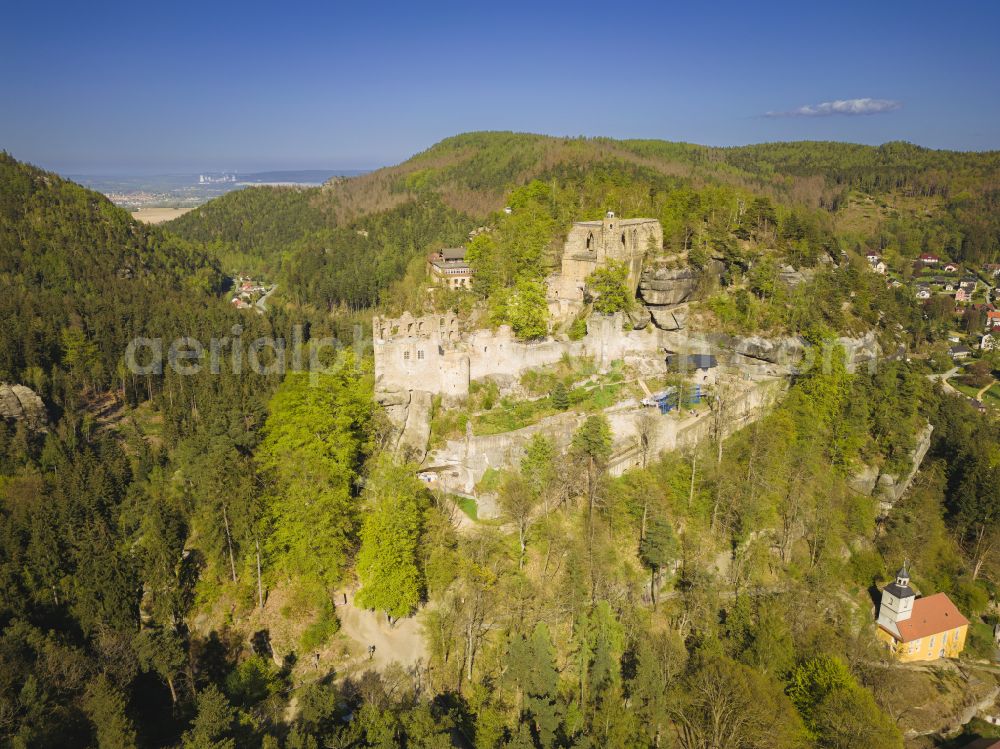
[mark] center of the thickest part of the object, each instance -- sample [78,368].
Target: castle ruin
[433,354]
[591,244]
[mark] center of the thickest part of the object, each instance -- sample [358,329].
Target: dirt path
[402,643]
[944,380]
[982,392]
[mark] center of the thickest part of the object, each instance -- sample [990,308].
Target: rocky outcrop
[861,352]
[792,277]
[639,317]
[409,412]
[886,487]
[666,287]
[412,443]
[786,350]
[22,404]
[666,319]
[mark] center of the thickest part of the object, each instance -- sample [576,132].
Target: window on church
[406,356]
[931,646]
[420,354]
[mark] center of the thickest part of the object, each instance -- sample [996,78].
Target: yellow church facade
[919,629]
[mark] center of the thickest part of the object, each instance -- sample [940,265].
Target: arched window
[590,239]
[623,239]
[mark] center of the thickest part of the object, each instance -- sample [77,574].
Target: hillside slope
[81,277]
[466,178]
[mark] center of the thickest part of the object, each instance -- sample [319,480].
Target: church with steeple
[919,629]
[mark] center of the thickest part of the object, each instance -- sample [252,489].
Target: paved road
[944,380]
[262,302]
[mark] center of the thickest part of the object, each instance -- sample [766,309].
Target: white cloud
[848,107]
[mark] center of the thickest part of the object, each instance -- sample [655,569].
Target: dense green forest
[174,550]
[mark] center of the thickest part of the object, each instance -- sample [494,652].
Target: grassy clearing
[468,506]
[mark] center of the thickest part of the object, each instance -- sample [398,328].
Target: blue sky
[170,87]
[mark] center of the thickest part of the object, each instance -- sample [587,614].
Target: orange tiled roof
[931,615]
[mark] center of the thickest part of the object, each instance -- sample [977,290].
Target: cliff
[22,404]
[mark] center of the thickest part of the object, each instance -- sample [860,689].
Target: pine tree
[657,549]
[560,396]
[105,707]
[213,725]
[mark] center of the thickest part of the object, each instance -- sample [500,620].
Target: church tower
[897,601]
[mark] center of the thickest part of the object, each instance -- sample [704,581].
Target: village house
[919,629]
[923,292]
[993,320]
[447,267]
[963,295]
[992,268]
[928,259]
[960,351]
[875,262]
[950,268]
[988,342]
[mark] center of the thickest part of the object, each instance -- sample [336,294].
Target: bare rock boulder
[22,404]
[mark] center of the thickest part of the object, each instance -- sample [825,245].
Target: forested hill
[81,277]
[462,180]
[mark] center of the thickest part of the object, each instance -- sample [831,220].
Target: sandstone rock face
[409,412]
[639,317]
[861,352]
[773,350]
[889,488]
[794,276]
[671,286]
[20,403]
[412,443]
[666,319]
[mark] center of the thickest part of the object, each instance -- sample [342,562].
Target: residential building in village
[448,268]
[919,629]
[875,262]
